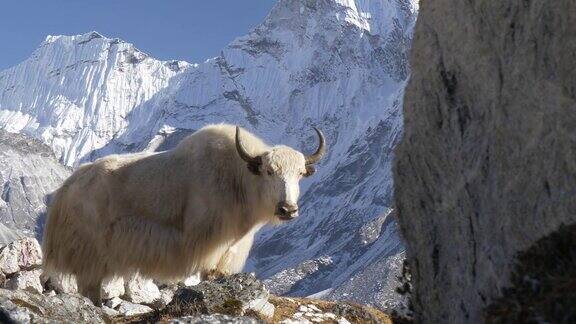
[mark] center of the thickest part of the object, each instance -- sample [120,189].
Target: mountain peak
[374,17]
[79,89]
[92,38]
[82,38]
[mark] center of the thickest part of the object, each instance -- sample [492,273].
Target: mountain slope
[339,65]
[29,172]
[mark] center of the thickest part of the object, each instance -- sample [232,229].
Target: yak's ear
[254,166]
[310,170]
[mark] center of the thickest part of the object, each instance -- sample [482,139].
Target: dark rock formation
[487,164]
[543,284]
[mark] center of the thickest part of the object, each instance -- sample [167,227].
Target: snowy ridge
[75,92]
[340,65]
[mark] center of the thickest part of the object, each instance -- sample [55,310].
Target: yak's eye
[270,172]
[309,171]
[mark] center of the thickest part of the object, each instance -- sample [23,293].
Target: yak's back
[220,139]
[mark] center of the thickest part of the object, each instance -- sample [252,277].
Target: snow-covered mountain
[74,93]
[340,65]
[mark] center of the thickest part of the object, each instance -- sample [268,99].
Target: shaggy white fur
[171,214]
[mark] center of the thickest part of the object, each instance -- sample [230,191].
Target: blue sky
[191,30]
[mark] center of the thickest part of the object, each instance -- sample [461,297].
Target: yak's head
[282,168]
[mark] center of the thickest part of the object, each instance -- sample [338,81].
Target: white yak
[171,214]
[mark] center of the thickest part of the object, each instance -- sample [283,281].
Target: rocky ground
[27,296]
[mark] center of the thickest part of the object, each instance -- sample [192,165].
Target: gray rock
[109,311]
[113,302]
[24,253]
[26,280]
[127,308]
[261,306]
[141,290]
[30,253]
[25,307]
[214,319]
[9,259]
[487,164]
[232,295]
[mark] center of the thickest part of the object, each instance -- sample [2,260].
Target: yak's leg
[235,257]
[91,288]
[233,260]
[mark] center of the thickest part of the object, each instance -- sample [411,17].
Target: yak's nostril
[287,209]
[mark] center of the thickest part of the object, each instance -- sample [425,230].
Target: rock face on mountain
[340,65]
[29,172]
[487,164]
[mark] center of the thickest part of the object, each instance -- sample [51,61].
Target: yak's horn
[241,151]
[311,159]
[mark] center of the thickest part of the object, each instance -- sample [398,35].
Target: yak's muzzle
[286,210]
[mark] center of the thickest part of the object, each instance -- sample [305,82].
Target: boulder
[127,308]
[261,306]
[24,307]
[233,295]
[141,290]
[9,259]
[26,280]
[24,253]
[487,162]
[30,253]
